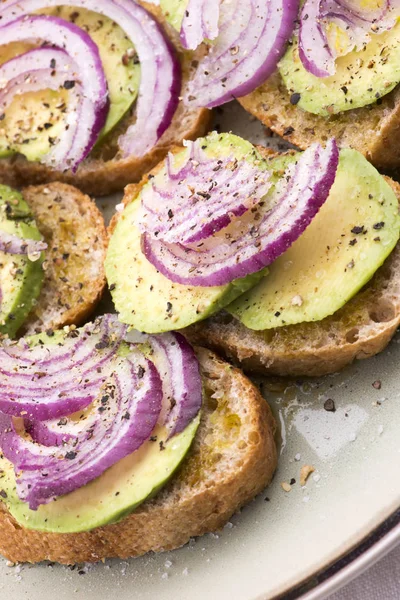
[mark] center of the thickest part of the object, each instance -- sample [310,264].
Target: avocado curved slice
[348,240]
[143,297]
[361,77]
[21,278]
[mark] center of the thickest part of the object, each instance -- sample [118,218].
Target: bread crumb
[305,472]
[286,486]
[9,563]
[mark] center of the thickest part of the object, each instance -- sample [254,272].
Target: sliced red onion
[252,243]
[178,367]
[121,420]
[201,198]
[317,56]
[52,432]
[43,384]
[89,118]
[200,22]
[252,38]
[160,82]
[12,244]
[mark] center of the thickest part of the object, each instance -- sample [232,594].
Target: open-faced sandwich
[93,427]
[90,92]
[52,249]
[292,259]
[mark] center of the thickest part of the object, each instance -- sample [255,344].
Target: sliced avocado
[174,11]
[110,497]
[34,121]
[142,296]
[21,276]
[361,78]
[349,239]
[113,495]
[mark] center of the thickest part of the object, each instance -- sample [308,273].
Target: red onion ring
[159,88]
[252,38]
[131,398]
[119,424]
[39,385]
[12,244]
[200,22]
[178,367]
[257,241]
[93,106]
[200,203]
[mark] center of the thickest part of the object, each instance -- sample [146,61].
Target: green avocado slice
[361,78]
[113,495]
[42,112]
[21,278]
[142,296]
[110,497]
[348,240]
[174,11]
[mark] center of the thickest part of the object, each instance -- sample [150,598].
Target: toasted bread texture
[360,329]
[74,230]
[105,171]
[232,459]
[373,130]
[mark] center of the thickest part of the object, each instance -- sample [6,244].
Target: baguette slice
[360,329]
[74,230]
[373,130]
[105,171]
[232,459]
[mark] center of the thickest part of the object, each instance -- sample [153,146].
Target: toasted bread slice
[74,230]
[232,459]
[362,328]
[373,130]
[105,171]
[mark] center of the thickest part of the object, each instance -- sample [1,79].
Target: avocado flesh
[118,491]
[34,120]
[361,77]
[174,11]
[21,279]
[329,263]
[143,297]
[110,497]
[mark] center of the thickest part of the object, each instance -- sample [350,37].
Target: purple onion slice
[200,22]
[42,384]
[160,82]
[252,38]
[253,242]
[120,421]
[201,198]
[12,244]
[179,370]
[82,66]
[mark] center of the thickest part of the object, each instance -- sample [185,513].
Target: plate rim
[350,563]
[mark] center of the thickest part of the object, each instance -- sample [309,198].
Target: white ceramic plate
[282,540]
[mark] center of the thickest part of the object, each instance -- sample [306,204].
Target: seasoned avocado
[174,11]
[142,296]
[34,121]
[361,78]
[348,240]
[21,277]
[113,495]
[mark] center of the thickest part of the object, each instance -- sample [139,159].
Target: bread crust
[105,171]
[179,511]
[74,229]
[361,329]
[373,130]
